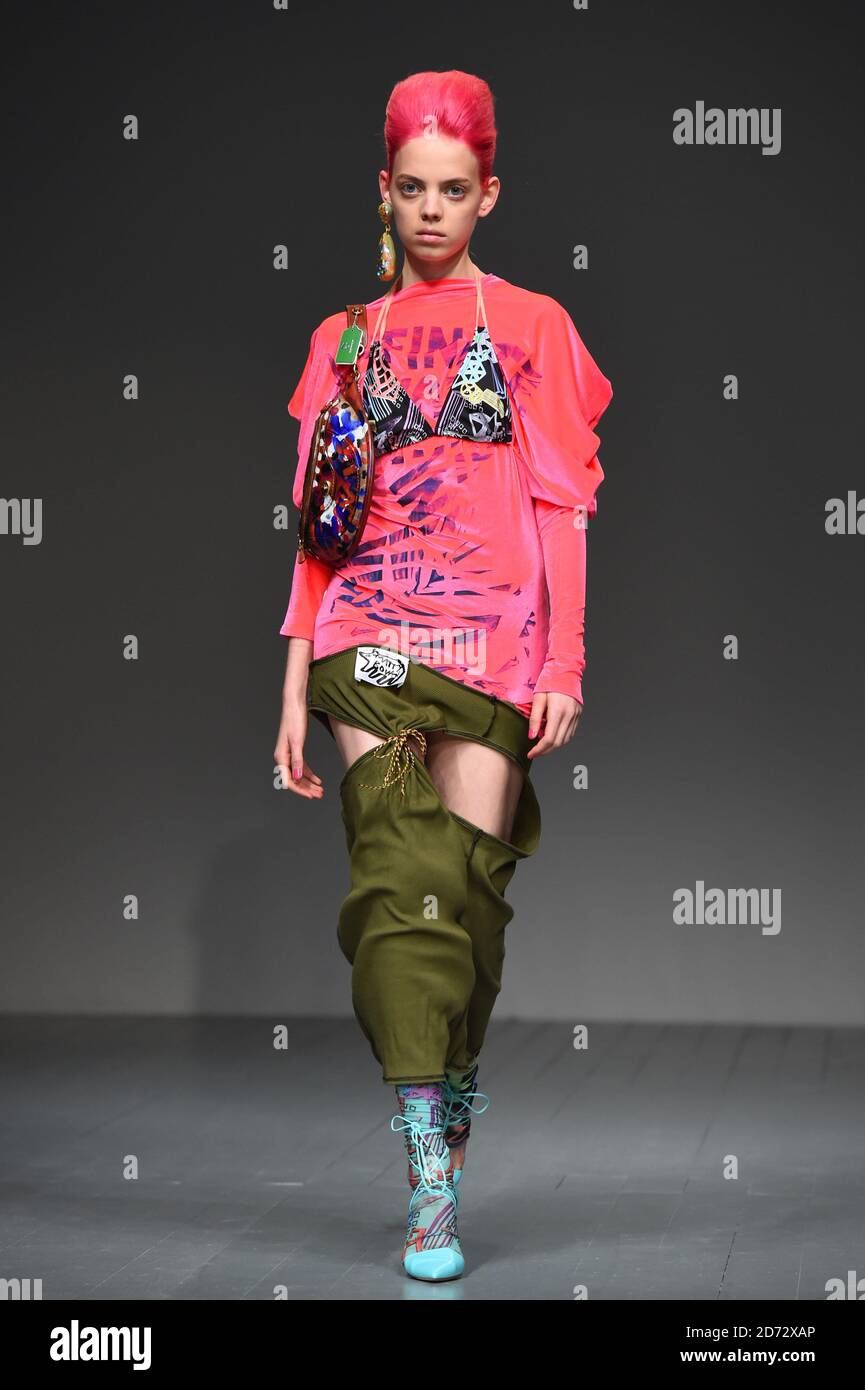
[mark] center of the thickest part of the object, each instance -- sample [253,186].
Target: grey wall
[154,257]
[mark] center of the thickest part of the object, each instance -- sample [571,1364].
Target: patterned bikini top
[476,407]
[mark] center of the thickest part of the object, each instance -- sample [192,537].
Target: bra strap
[379,325]
[480,307]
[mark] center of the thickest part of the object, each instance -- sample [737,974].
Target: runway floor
[191,1159]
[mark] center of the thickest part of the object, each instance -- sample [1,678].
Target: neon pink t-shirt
[473,556]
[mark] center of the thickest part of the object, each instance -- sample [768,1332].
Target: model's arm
[562,393]
[308,585]
[564,550]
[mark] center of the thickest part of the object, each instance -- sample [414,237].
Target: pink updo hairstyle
[459,105]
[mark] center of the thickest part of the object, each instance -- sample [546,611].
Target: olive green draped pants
[423,924]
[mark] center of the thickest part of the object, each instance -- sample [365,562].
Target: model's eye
[410,188]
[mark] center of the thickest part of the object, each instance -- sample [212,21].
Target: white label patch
[380,666]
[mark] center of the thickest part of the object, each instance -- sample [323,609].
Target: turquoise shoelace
[423,1157]
[458,1105]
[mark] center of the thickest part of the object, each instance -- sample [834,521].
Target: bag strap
[356,314]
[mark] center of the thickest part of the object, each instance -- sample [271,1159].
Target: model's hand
[288,753]
[560,715]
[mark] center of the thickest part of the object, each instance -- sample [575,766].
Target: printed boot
[432,1247]
[459,1094]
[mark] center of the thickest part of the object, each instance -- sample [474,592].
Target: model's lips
[431,236]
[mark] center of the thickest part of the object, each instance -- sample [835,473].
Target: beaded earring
[386,249]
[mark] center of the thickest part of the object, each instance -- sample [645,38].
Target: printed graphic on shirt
[380,666]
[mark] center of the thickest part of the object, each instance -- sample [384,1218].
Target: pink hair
[460,105]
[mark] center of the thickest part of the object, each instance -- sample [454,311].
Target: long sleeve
[311,578]
[561,394]
[564,550]
[308,584]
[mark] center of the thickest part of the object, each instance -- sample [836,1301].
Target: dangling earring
[386,249]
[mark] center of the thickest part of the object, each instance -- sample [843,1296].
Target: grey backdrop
[154,777]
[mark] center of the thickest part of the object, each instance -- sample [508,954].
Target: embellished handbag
[339,472]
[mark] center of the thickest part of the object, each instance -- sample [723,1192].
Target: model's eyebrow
[459,178]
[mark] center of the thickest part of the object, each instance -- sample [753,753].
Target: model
[453,636]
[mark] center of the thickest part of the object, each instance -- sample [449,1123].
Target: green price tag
[349,346]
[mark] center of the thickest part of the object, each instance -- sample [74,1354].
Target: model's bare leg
[352,742]
[479,783]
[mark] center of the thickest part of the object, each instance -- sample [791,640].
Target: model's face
[437,197]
